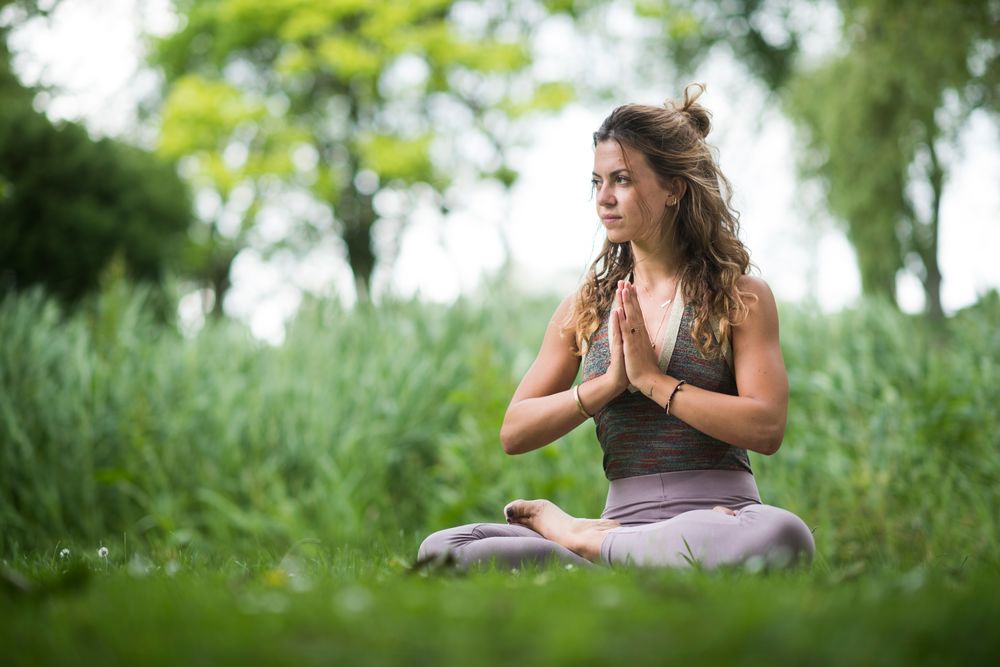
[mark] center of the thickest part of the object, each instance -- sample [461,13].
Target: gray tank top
[636,435]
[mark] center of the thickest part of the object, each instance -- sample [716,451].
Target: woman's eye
[622,179]
[594,183]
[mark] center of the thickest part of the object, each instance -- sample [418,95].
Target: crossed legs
[581,536]
[509,545]
[540,531]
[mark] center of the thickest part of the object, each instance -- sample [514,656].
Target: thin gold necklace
[663,318]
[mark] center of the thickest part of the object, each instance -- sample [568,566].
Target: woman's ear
[678,186]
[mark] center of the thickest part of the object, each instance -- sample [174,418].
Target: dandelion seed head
[103,552]
[64,553]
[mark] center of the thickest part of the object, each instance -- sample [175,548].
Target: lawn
[361,607]
[264,504]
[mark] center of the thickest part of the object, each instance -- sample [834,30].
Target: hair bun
[699,115]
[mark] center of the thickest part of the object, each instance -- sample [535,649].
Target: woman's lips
[610,219]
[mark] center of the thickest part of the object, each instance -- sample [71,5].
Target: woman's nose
[605,196]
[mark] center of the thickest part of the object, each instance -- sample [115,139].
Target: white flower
[569,566]
[103,552]
[64,553]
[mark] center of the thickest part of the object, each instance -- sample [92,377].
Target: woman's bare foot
[581,536]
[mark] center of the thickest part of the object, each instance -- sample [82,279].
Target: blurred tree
[69,204]
[237,152]
[347,100]
[15,12]
[879,111]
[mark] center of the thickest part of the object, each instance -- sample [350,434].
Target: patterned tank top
[636,435]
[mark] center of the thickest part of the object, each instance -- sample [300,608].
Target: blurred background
[273,268]
[362,149]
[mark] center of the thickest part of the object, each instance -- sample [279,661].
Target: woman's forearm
[741,421]
[533,423]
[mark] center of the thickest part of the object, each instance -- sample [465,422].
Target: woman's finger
[629,304]
[623,328]
[614,331]
[634,326]
[633,300]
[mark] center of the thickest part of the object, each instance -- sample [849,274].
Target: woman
[682,372]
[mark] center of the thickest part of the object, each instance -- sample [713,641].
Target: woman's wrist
[650,385]
[657,387]
[597,392]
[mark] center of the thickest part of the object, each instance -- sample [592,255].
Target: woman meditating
[682,372]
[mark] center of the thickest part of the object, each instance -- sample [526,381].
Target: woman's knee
[431,546]
[442,541]
[791,537]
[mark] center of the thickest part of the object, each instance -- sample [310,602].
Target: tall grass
[376,424]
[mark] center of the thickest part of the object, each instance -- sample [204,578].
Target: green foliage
[762,36]
[382,423]
[316,607]
[879,112]
[875,112]
[396,158]
[202,118]
[69,204]
[233,143]
[265,504]
[388,86]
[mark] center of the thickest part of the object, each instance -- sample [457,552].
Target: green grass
[213,467]
[321,607]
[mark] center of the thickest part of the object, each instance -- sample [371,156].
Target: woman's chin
[614,236]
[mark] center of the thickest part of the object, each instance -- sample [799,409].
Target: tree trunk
[932,277]
[220,286]
[357,214]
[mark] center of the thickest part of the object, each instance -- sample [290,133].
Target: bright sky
[91,53]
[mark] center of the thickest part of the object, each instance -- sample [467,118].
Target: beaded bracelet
[671,397]
[579,403]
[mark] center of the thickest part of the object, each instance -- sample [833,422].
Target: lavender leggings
[667,521]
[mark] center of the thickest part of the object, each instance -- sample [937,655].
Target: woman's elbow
[770,446]
[769,438]
[509,440]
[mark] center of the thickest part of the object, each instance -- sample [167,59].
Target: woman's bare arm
[755,418]
[543,408]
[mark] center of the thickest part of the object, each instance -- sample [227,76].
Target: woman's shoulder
[758,298]
[755,285]
[562,318]
[566,307]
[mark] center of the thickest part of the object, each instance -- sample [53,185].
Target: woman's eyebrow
[612,174]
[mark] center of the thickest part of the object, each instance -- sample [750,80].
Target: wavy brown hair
[704,231]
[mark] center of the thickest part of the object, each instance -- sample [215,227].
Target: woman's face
[630,199]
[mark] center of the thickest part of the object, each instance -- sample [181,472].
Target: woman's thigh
[510,545]
[712,538]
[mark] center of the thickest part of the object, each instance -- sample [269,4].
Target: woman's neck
[655,268]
